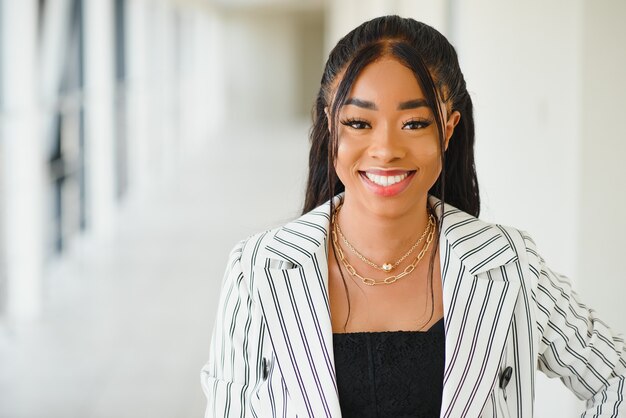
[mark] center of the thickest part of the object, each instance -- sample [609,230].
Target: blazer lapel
[293,293]
[478,302]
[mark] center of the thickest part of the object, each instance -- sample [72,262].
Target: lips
[387,182]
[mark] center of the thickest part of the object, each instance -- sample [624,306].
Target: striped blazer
[506,315]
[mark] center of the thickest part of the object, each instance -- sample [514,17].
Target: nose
[385,145]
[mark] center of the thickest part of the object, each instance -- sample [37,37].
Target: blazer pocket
[280,264]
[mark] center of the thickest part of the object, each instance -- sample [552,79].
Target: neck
[389,233]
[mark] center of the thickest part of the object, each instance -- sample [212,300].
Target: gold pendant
[387,267]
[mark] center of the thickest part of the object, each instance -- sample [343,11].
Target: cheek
[347,157]
[428,151]
[428,157]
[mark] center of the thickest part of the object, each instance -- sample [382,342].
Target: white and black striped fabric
[506,315]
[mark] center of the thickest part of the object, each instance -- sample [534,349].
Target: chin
[393,207]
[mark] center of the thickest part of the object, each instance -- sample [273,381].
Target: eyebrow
[361,103]
[365,104]
[413,104]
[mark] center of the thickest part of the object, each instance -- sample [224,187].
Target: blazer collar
[294,244]
[480,246]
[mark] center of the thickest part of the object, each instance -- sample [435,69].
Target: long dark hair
[434,62]
[436,67]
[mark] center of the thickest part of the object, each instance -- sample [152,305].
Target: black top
[390,374]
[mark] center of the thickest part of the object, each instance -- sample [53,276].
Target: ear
[451,123]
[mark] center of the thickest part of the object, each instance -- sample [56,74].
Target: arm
[575,345]
[229,375]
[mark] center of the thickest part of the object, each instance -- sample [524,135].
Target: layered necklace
[428,233]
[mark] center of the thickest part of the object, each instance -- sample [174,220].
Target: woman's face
[388,152]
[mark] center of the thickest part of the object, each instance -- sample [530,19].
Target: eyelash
[425,123]
[351,122]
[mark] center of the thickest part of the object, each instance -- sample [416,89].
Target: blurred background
[141,139]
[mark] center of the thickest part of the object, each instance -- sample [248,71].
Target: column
[99,117]
[22,162]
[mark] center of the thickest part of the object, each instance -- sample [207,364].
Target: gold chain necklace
[430,229]
[386,267]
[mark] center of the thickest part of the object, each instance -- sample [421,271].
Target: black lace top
[390,374]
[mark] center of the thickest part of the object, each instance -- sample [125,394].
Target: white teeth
[386,180]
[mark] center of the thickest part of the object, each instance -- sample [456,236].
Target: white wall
[603,189]
[310,58]
[202,88]
[523,94]
[261,76]
[345,15]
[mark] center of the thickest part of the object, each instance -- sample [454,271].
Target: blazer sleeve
[228,376]
[575,345]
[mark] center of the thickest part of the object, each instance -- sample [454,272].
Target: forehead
[386,81]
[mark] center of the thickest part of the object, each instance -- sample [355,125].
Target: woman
[381,301]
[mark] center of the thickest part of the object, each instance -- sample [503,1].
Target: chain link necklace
[386,267]
[428,232]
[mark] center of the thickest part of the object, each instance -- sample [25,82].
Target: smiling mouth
[389,183]
[386,180]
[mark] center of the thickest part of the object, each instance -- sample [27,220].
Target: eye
[356,123]
[416,124]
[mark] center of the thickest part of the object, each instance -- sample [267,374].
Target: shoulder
[483,245]
[290,245]
[246,251]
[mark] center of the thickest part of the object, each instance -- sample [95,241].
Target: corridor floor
[126,319]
